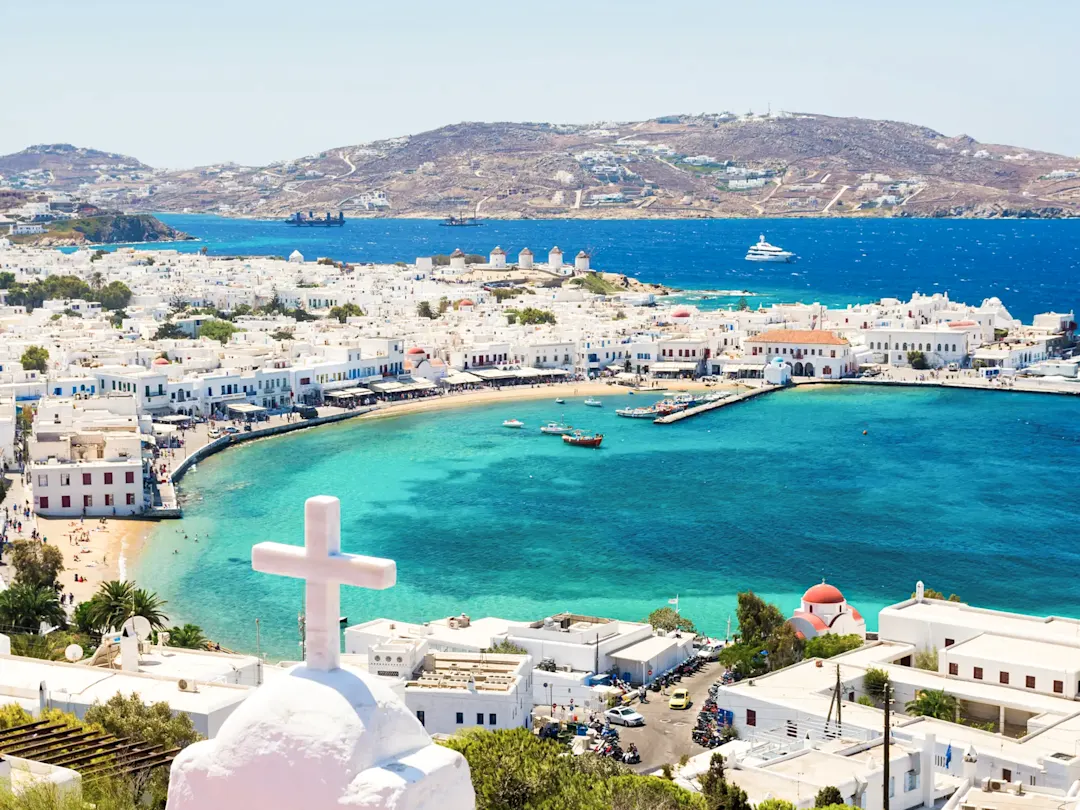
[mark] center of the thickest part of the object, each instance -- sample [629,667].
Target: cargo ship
[312,221]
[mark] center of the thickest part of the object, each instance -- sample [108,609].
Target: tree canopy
[218,330]
[36,563]
[345,311]
[153,724]
[169,331]
[828,796]
[24,607]
[935,703]
[718,792]
[667,619]
[189,636]
[828,645]
[116,601]
[35,358]
[114,295]
[512,769]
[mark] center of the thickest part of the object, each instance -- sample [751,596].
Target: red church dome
[415,350]
[466,302]
[681,313]
[823,594]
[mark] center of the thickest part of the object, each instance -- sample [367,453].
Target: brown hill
[675,166]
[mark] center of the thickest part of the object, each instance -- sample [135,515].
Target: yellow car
[680,699]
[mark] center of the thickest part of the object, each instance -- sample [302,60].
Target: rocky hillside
[103,230]
[64,167]
[675,166]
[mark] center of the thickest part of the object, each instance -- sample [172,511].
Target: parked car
[306,411]
[231,430]
[624,716]
[680,699]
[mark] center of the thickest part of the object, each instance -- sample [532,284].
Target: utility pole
[839,700]
[888,733]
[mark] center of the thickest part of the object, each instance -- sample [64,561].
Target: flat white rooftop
[1050,628]
[1020,651]
[477,635]
[20,679]
[202,666]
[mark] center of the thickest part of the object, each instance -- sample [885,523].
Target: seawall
[231,439]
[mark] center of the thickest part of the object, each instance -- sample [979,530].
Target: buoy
[864,433]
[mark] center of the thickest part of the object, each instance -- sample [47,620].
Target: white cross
[323,567]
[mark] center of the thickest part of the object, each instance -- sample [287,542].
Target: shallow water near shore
[970,491]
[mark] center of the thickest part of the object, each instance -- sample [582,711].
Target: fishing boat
[556,429]
[513,423]
[582,439]
[560,401]
[637,413]
[594,403]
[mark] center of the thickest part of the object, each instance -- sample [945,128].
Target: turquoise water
[1030,264]
[971,491]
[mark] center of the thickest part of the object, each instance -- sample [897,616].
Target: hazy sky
[183,83]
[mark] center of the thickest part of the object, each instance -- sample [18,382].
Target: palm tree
[190,636]
[933,703]
[25,607]
[116,602]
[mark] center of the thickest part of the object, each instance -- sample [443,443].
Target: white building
[811,352]
[1012,677]
[85,457]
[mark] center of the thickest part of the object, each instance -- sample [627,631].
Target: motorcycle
[631,757]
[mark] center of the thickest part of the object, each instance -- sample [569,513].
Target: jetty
[715,405]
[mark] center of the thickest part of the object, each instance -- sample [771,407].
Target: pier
[712,406]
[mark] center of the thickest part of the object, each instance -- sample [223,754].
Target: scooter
[631,757]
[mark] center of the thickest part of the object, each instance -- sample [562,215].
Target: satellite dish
[73,653]
[139,626]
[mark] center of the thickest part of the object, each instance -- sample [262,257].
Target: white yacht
[764,252]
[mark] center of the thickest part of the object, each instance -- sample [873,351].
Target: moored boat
[637,413]
[556,429]
[594,403]
[582,439]
[513,423]
[764,252]
[560,401]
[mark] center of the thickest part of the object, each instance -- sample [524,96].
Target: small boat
[594,403]
[637,413]
[560,401]
[513,423]
[343,620]
[556,429]
[581,439]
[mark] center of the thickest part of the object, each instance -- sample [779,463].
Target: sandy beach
[489,396]
[98,558]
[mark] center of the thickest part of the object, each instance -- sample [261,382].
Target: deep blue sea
[971,491]
[1031,265]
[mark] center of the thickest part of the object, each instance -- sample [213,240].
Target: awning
[243,407]
[173,419]
[349,393]
[460,378]
[394,387]
[492,374]
[672,366]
